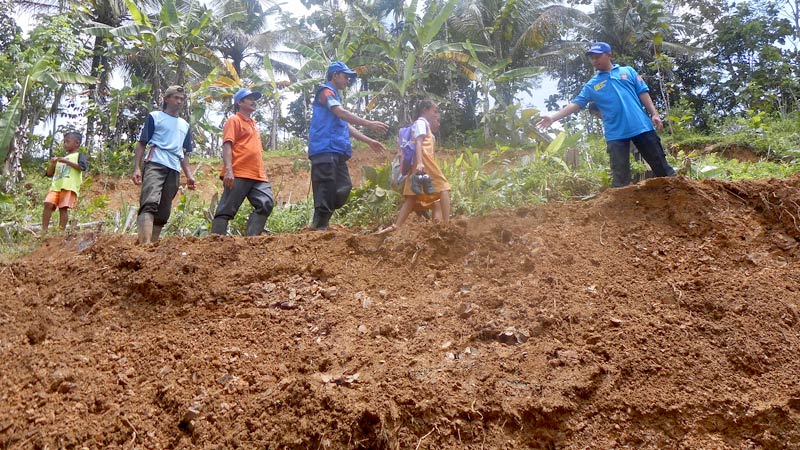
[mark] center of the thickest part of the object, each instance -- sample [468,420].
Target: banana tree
[270,88]
[315,61]
[402,60]
[173,41]
[19,118]
[488,76]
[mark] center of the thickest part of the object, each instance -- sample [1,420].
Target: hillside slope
[663,315]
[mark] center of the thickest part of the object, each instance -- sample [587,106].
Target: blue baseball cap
[244,92]
[599,48]
[338,66]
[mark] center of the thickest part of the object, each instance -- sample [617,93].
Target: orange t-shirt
[246,159]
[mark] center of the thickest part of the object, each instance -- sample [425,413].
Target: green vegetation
[725,74]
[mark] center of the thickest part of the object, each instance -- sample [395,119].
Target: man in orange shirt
[243,173]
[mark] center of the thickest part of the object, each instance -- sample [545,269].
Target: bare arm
[138,156]
[75,166]
[51,168]
[373,144]
[644,97]
[227,162]
[190,183]
[418,154]
[546,121]
[352,119]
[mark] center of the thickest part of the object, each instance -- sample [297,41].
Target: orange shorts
[62,199]
[426,201]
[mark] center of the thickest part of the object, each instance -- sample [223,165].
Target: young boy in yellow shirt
[67,175]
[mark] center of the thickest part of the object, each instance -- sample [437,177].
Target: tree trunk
[486,137]
[273,126]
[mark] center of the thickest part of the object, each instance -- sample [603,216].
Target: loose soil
[661,315]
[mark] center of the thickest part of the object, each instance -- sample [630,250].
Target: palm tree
[516,31]
[399,62]
[641,34]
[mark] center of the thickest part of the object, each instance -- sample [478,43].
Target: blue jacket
[328,133]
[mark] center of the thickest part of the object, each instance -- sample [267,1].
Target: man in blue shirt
[168,141]
[620,93]
[329,144]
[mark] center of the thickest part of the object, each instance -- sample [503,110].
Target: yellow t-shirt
[66,177]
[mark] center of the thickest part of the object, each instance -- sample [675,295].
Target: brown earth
[663,315]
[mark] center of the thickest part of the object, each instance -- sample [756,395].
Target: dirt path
[663,315]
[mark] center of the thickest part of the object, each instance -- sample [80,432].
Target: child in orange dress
[426,124]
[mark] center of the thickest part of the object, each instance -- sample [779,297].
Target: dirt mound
[663,315]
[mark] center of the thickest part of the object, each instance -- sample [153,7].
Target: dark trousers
[331,184]
[159,186]
[649,146]
[258,193]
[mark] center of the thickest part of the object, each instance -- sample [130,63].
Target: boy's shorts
[62,199]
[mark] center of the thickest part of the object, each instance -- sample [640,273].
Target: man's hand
[378,127]
[377,146]
[227,179]
[420,167]
[545,122]
[191,183]
[657,122]
[137,176]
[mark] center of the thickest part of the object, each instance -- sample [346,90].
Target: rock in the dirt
[564,358]
[187,423]
[464,310]
[225,379]
[60,377]
[387,330]
[383,293]
[287,305]
[362,329]
[594,339]
[615,322]
[364,299]
[36,334]
[512,337]
[67,387]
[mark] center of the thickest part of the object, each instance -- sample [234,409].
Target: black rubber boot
[320,221]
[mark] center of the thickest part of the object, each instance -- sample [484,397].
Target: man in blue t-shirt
[168,141]
[620,93]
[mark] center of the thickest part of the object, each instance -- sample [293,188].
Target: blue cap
[338,66]
[244,92]
[599,48]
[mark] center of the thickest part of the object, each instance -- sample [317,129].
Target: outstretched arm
[352,119]
[373,144]
[546,121]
